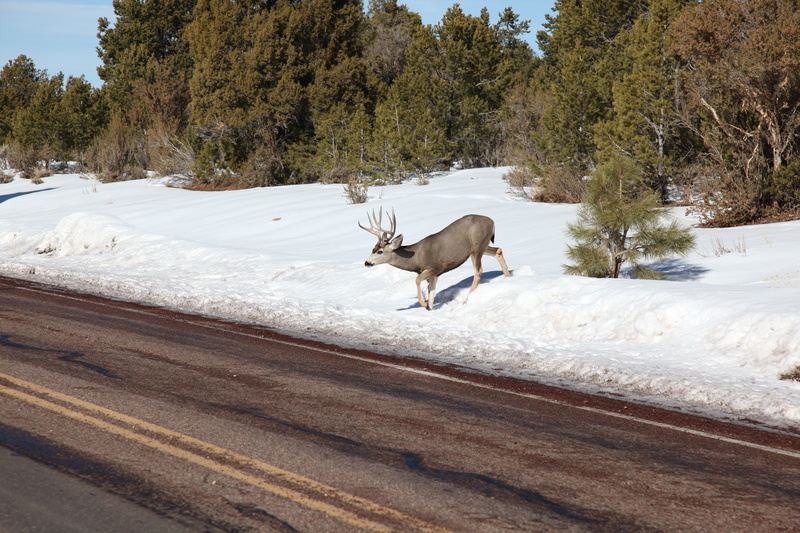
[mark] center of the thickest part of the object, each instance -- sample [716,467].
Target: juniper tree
[33,126]
[77,117]
[144,32]
[276,81]
[388,34]
[742,98]
[644,125]
[413,115]
[579,53]
[620,223]
[19,81]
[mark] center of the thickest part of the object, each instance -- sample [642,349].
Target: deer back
[451,247]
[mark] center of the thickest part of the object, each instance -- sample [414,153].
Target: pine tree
[519,62]
[481,62]
[146,68]
[387,147]
[272,74]
[620,223]
[218,37]
[234,72]
[452,89]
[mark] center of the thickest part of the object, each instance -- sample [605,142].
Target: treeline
[704,97]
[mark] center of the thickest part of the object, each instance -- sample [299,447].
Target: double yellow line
[363,514]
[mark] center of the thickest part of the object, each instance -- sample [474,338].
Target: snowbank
[715,338]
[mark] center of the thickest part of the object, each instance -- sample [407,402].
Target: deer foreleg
[422,277]
[431,290]
[430,277]
[476,279]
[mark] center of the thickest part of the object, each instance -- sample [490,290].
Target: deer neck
[404,258]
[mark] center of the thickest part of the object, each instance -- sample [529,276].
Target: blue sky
[62,36]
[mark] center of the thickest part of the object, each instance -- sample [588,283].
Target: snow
[714,338]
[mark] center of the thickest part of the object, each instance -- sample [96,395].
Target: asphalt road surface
[120,417]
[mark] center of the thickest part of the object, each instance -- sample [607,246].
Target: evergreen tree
[744,85]
[620,223]
[389,33]
[33,125]
[146,69]
[79,116]
[519,62]
[452,89]
[343,89]
[644,125]
[387,148]
[270,74]
[471,53]
[144,30]
[578,52]
[218,39]
[233,71]
[19,81]
[413,115]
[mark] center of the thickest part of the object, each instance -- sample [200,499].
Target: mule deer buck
[469,236]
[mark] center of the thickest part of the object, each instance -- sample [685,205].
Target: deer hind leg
[498,254]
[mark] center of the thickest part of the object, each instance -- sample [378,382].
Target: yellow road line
[298,480]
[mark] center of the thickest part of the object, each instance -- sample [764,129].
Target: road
[187,423]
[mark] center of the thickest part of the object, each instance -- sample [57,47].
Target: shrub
[356,190]
[561,184]
[422,179]
[793,375]
[263,168]
[726,200]
[37,175]
[113,153]
[782,190]
[19,157]
[522,182]
[336,175]
[169,154]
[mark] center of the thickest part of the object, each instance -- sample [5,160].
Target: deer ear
[397,241]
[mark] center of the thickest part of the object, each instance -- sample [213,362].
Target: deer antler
[375,226]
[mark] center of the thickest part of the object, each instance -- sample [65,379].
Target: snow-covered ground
[715,338]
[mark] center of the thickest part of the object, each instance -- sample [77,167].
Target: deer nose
[368,264]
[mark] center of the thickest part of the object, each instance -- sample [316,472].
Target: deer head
[387,242]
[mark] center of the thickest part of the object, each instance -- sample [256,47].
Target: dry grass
[792,375]
[38,174]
